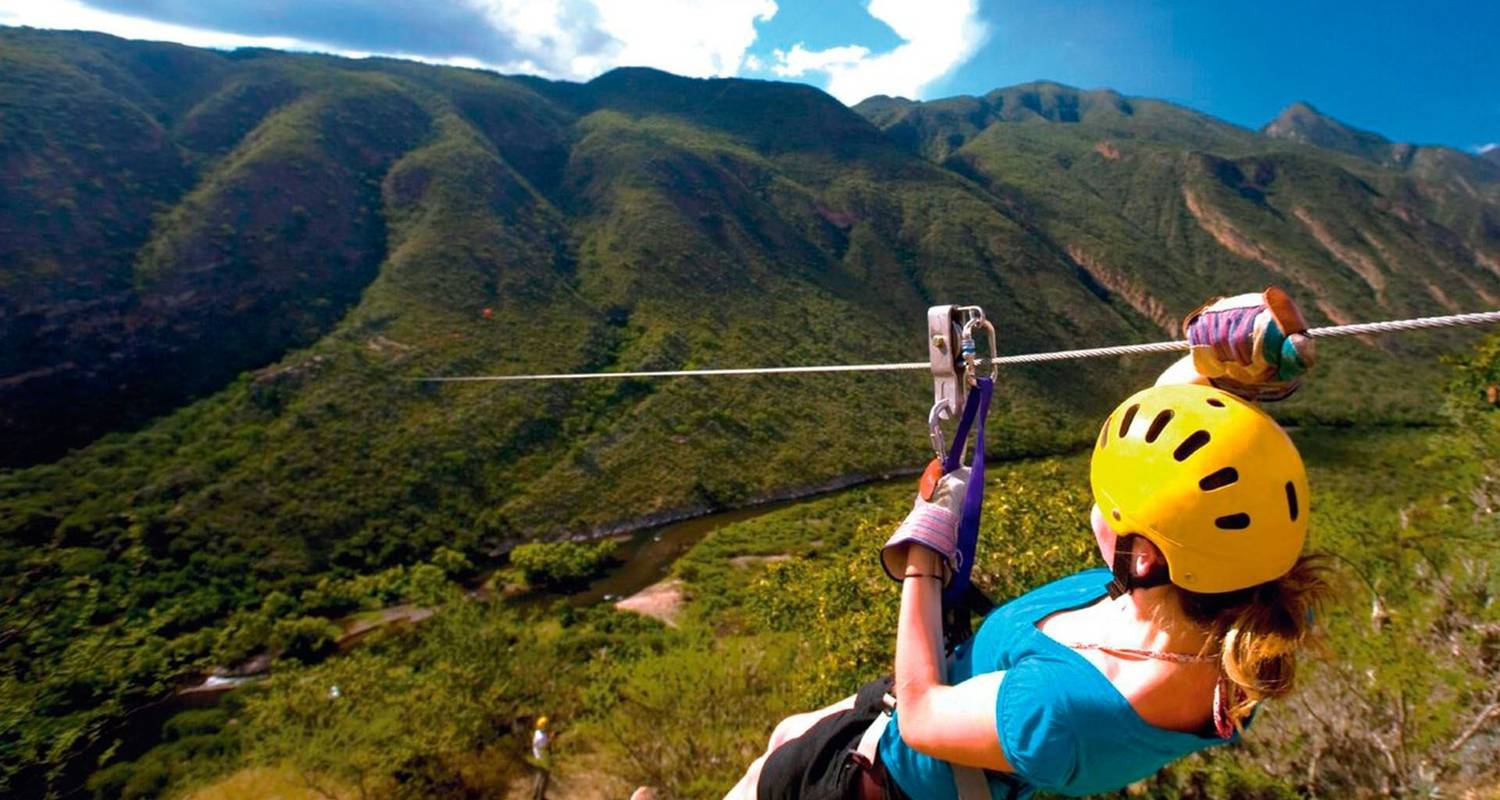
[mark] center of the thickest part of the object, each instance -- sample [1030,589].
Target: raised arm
[952,723]
[1182,371]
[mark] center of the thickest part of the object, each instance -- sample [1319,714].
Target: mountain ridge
[1301,122]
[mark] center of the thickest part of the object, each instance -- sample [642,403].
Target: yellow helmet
[1210,479]
[541,723]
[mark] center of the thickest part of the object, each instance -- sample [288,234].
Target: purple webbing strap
[968,522]
[955,457]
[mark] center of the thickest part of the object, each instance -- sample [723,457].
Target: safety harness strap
[968,523]
[970,782]
[958,617]
[955,456]
[869,744]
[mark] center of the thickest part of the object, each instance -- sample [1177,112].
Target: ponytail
[1259,630]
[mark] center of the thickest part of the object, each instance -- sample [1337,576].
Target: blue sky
[1426,72]
[1422,72]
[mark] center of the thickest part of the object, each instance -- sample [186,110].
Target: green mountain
[1158,204]
[1300,122]
[221,275]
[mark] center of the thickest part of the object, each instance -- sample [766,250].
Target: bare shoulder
[1167,695]
[1175,697]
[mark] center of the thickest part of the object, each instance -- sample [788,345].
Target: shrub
[197,722]
[306,639]
[557,563]
[110,782]
[148,780]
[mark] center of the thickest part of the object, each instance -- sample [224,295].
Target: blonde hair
[1258,631]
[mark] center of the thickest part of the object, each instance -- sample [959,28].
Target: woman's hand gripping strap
[932,523]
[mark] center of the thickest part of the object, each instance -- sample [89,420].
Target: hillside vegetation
[789,611]
[221,275]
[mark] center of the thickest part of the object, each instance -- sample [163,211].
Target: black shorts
[821,764]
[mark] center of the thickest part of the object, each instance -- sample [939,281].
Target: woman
[1097,680]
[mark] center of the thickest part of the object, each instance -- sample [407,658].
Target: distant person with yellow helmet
[540,741]
[1097,680]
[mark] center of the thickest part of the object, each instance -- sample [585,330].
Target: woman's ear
[1146,558]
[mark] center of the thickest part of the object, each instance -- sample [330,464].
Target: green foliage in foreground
[561,563]
[78,700]
[194,744]
[788,611]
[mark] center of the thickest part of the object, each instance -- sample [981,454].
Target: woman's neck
[1147,619]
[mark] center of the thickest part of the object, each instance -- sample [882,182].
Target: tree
[561,563]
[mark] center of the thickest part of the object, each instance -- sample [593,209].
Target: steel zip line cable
[1357,329]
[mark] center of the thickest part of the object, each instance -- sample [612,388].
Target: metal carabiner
[973,317]
[941,410]
[994,349]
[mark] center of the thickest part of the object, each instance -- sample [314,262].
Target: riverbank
[661,601]
[646,522]
[636,582]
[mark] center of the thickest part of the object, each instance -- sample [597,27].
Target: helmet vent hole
[1291,500]
[1127,419]
[1157,425]
[1104,434]
[1191,445]
[1233,522]
[1216,402]
[1222,478]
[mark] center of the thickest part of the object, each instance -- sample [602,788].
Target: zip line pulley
[953,355]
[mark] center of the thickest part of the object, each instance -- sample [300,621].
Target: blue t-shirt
[1063,726]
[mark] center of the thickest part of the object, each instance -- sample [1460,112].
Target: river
[645,557]
[641,559]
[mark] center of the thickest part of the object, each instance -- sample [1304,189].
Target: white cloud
[71,15]
[570,39]
[937,37]
[799,60]
[688,37]
[1485,148]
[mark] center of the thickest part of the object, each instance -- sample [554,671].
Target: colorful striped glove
[1253,345]
[932,524]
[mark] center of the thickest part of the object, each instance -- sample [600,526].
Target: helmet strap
[1125,580]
